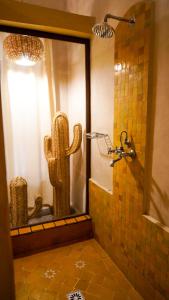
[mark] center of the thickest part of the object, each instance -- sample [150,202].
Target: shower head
[104,30]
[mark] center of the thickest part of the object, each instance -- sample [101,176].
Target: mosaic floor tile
[77,295]
[80,264]
[82,268]
[50,274]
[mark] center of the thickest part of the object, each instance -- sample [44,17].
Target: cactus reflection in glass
[57,153]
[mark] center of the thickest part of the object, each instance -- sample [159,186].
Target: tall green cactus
[57,153]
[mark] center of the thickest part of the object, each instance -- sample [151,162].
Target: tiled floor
[83,267]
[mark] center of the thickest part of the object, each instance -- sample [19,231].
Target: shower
[104,30]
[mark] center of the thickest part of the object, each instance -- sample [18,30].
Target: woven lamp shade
[23,47]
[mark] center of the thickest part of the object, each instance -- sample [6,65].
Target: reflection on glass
[44,121]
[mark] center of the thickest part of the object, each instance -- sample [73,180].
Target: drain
[77,295]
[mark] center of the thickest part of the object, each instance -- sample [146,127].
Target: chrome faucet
[121,151]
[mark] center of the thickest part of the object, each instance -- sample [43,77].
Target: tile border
[47,225]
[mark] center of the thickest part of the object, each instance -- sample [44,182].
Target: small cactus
[19,202]
[57,153]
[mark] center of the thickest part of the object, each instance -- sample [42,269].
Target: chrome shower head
[103,30]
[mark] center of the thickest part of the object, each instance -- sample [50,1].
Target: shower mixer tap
[120,151]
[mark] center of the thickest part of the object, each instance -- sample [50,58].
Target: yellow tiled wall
[138,245]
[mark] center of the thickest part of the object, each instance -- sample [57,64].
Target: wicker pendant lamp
[23,49]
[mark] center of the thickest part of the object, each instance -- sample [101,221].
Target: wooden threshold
[36,238]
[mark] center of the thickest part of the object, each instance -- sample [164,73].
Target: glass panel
[45,152]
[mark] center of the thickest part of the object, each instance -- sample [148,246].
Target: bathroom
[121,225]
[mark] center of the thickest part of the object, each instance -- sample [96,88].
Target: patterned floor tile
[83,267]
[76,295]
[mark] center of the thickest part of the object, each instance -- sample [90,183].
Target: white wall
[158,163]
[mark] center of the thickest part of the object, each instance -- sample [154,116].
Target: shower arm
[109,16]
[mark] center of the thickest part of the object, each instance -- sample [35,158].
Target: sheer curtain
[28,100]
